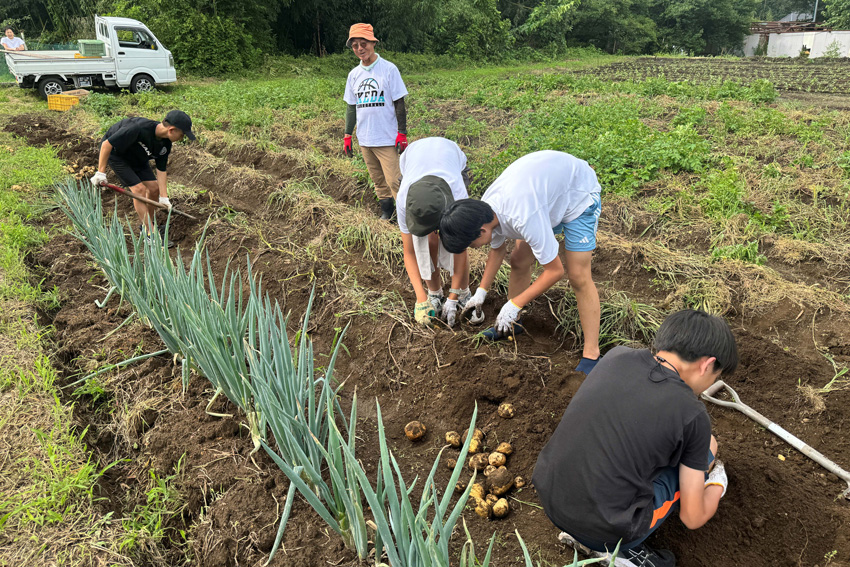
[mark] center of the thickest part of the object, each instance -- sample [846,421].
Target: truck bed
[55,63]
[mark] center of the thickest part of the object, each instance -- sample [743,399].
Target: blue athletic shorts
[580,233]
[665,500]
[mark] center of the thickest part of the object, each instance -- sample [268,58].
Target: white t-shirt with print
[535,194]
[429,156]
[13,43]
[373,92]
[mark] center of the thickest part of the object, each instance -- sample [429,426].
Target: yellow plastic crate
[61,102]
[81,56]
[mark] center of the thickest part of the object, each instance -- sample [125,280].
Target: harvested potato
[453,439]
[497,459]
[478,492]
[484,509]
[488,469]
[414,430]
[450,463]
[475,446]
[476,434]
[506,410]
[501,508]
[519,482]
[500,481]
[492,499]
[460,486]
[478,462]
[505,449]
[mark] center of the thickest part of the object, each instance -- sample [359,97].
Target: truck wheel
[50,85]
[142,83]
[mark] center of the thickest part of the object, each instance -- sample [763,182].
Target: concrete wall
[790,44]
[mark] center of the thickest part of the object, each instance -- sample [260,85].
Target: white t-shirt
[429,156]
[373,92]
[13,43]
[535,194]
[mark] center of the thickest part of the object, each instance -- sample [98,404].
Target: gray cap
[427,198]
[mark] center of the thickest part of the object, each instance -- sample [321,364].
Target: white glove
[475,302]
[507,317]
[98,178]
[450,312]
[436,299]
[165,201]
[718,476]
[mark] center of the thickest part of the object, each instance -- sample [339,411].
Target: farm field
[722,190]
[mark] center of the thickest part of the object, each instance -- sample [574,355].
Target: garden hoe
[146,200]
[776,429]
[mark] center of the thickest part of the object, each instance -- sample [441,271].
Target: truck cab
[136,51]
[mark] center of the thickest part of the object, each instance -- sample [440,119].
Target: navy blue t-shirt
[630,419]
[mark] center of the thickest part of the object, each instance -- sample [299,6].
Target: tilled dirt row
[777,511]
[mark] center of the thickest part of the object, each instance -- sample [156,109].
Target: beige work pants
[382,163]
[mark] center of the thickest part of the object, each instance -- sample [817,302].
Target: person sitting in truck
[129,145]
[12,43]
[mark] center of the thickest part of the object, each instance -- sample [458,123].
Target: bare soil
[777,512]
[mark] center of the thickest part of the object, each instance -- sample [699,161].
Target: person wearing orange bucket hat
[375,95]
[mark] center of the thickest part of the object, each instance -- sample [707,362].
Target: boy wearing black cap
[129,145]
[434,175]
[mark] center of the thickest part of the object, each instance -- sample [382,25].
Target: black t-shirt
[134,140]
[631,418]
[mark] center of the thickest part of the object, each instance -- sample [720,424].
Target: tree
[617,26]
[702,27]
[838,14]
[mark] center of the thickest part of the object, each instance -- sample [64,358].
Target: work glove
[475,316]
[400,143]
[718,476]
[507,317]
[450,312]
[165,201]
[473,307]
[98,178]
[347,149]
[424,312]
[436,299]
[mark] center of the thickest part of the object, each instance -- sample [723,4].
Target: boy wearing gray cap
[129,145]
[434,175]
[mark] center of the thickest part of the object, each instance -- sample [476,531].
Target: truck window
[104,31]
[135,38]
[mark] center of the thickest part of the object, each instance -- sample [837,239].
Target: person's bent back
[636,441]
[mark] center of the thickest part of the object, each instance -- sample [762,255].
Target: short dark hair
[461,223]
[692,334]
[8,28]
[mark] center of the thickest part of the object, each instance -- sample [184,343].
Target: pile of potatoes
[487,495]
[80,172]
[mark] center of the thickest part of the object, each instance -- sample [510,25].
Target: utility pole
[815,15]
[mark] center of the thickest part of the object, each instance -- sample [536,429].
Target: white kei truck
[134,58]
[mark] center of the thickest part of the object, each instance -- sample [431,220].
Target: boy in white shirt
[434,175]
[12,43]
[538,196]
[375,95]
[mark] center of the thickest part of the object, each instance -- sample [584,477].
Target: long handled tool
[146,200]
[776,429]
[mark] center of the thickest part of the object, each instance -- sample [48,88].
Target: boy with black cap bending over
[434,175]
[129,145]
[635,442]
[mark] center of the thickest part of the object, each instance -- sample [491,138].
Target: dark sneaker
[491,334]
[387,209]
[587,364]
[645,556]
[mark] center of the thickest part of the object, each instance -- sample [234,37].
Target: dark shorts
[130,174]
[665,500]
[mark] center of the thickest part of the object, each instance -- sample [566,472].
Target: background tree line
[220,36]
